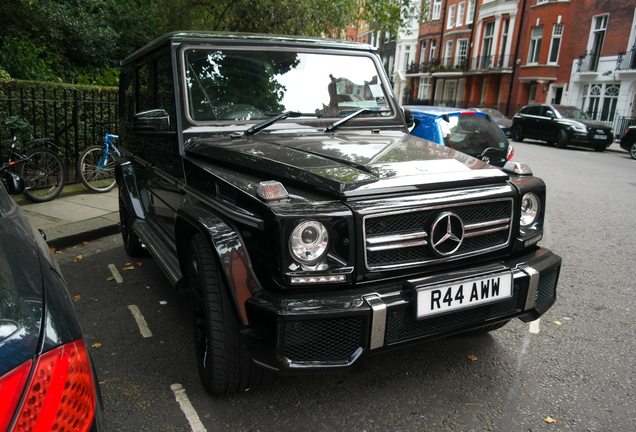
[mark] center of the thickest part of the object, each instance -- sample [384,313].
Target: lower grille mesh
[546,289]
[330,339]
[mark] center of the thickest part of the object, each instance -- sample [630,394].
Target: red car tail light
[11,386]
[61,393]
[511,152]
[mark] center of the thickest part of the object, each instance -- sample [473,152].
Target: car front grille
[402,238]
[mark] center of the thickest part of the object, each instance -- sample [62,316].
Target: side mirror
[152,120]
[408,118]
[550,114]
[13,183]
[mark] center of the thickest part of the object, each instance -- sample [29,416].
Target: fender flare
[128,189]
[229,248]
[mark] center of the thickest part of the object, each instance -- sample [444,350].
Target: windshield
[572,112]
[472,134]
[252,85]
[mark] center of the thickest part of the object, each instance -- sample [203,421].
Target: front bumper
[294,334]
[588,139]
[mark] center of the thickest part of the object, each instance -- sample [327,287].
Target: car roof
[237,37]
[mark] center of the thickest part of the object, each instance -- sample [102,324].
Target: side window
[165,86]
[126,96]
[534,110]
[144,94]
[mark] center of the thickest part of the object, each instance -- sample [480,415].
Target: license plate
[439,299]
[599,137]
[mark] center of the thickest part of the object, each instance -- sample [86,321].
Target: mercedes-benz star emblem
[447,234]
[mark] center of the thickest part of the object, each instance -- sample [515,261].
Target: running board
[165,254]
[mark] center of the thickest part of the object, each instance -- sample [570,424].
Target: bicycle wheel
[44,175]
[96,173]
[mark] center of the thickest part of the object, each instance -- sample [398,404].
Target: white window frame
[423,51]
[436,10]
[450,22]
[461,9]
[424,88]
[407,56]
[534,49]
[448,52]
[557,35]
[470,11]
[431,57]
[462,45]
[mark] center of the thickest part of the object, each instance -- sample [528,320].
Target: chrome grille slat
[396,239]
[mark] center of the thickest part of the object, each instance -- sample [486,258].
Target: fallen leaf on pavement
[557,322]
[549,420]
[163,302]
[110,279]
[139,264]
[78,258]
[53,250]
[97,345]
[77,298]
[128,267]
[85,243]
[472,358]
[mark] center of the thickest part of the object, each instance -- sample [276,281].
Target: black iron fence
[66,113]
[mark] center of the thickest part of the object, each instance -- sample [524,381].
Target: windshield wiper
[355,114]
[270,121]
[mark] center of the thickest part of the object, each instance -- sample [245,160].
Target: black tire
[222,359]
[562,139]
[44,175]
[132,244]
[486,329]
[632,151]
[94,174]
[600,147]
[516,133]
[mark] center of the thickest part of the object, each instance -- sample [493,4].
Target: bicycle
[42,170]
[96,164]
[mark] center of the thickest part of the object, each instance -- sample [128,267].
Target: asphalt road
[575,366]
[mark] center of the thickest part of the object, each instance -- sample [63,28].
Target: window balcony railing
[626,61]
[492,63]
[452,64]
[588,62]
[421,68]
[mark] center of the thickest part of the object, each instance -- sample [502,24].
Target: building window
[432,53]
[450,93]
[423,51]
[599,101]
[535,45]
[533,93]
[407,56]
[460,13]
[448,52]
[436,10]
[486,51]
[460,54]
[542,1]
[555,44]
[599,26]
[424,88]
[451,17]
[503,49]
[470,12]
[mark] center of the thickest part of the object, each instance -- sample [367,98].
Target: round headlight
[530,206]
[308,242]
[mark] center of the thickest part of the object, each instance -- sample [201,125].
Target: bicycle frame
[109,144]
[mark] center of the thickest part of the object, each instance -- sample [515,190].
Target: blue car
[470,132]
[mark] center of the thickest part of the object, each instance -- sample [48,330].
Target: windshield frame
[361,122]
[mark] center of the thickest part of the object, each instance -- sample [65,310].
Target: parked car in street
[468,131]
[498,117]
[47,382]
[628,141]
[560,125]
[310,234]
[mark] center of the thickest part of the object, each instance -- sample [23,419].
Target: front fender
[229,248]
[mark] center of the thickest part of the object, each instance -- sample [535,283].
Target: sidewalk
[76,215]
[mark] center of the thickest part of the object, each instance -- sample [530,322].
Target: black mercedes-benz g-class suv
[274,179]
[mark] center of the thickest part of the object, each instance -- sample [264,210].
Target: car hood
[347,165]
[21,290]
[588,123]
